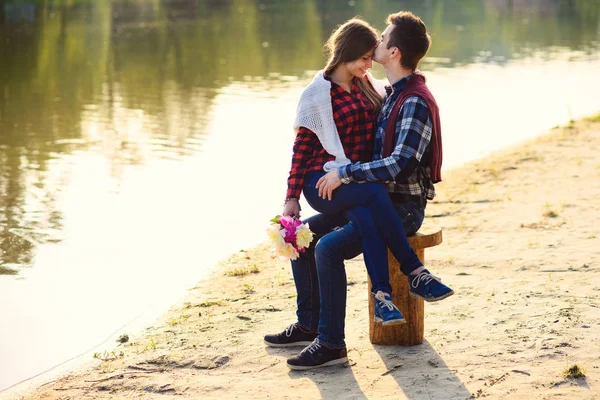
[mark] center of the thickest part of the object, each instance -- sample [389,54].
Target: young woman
[335,125]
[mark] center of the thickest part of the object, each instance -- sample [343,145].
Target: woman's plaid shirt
[354,117]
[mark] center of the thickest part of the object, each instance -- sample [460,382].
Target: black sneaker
[317,355]
[293,335]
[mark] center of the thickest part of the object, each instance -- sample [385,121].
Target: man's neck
[396,72]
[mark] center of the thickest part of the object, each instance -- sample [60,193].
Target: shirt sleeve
[414,129]
[304,146]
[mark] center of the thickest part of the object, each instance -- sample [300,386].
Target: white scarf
[315,112]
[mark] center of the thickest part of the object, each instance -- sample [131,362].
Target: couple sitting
[348,133]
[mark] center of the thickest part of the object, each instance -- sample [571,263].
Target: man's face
[382,52]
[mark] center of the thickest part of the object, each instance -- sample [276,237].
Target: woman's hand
[291,208]
[328,183]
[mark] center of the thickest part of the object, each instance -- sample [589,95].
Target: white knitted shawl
[315,112]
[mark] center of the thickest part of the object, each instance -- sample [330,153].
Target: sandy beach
[521,250]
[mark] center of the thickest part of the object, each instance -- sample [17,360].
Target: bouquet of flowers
[289,237]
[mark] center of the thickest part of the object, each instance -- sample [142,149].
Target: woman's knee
[363,220]
[380,191]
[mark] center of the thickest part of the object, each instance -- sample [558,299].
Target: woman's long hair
[348,43]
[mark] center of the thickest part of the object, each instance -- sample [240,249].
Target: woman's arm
[303,149]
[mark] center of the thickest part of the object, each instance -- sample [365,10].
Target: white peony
[288,252]
[304,236]
[276,235]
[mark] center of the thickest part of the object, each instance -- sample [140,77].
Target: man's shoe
[292,336]
[428,287]
[386,311]
[317,355]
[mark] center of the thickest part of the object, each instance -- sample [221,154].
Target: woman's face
[359,68]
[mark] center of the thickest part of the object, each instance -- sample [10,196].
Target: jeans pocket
[411,228]
[418,215]
[406,213]
[411,216]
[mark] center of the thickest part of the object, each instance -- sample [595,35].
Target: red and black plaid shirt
[354,117]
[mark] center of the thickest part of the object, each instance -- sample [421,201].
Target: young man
[408,157]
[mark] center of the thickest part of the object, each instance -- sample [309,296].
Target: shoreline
[520,250]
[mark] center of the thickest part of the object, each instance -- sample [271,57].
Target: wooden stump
[413,309]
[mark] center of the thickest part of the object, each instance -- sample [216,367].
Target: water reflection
[134,80]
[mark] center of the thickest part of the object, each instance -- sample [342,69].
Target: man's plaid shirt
[407,170]
[354,117]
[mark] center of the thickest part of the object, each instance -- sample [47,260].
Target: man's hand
[291,208]
[328,183]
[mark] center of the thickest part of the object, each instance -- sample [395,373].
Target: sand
[521,250]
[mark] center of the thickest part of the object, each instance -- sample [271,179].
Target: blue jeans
[320,276]
[369,207]
[304,270]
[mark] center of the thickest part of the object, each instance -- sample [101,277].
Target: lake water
[141,141]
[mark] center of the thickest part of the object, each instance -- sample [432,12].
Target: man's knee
[334,248]
[326,251]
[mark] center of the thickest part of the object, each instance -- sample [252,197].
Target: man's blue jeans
[320,275]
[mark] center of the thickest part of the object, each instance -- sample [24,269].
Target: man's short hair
[410,36]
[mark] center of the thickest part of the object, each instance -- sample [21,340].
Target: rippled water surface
[141,141]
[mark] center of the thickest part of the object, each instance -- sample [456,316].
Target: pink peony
[289,223]
[290,237]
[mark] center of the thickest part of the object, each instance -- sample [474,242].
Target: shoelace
[289,330]
[387,303]
[425,277]
[313,347]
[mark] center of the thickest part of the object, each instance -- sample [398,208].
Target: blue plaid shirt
[407,169]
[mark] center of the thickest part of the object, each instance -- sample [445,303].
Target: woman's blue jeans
[320,275]
[369,207]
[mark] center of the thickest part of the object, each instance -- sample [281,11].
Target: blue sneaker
[386,311]
[428,287]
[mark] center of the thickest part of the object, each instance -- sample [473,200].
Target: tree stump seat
[413,309]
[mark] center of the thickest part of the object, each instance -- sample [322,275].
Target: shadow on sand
[323,378]
[343,376]
[419,373]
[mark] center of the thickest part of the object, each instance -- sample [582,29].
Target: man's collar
[398,85]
